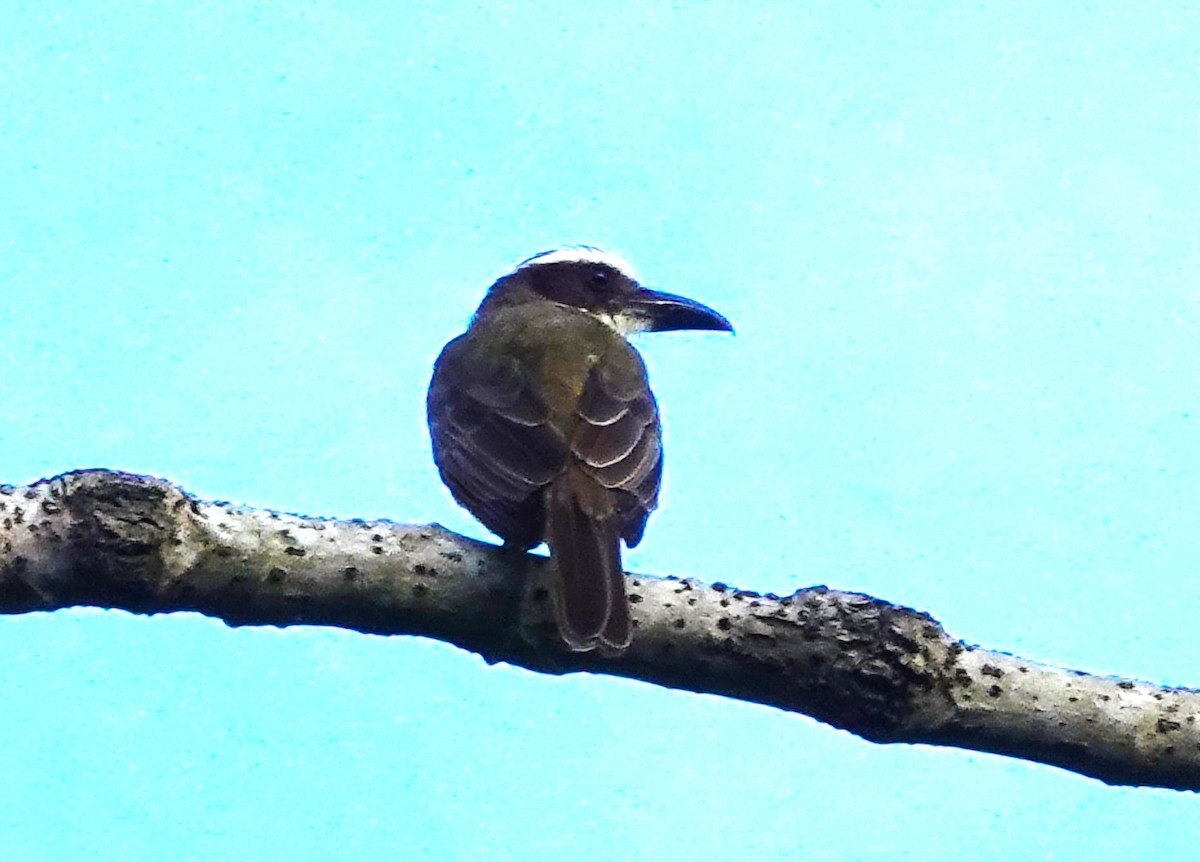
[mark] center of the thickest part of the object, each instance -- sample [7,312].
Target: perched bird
[544,426]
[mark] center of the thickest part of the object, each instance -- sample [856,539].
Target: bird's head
[604,285]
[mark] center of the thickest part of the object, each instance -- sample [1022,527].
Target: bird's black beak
[666,311]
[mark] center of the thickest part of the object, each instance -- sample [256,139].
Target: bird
[543,425]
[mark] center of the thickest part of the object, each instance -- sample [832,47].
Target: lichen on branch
[885,672]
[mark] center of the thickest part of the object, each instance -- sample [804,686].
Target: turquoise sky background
[959,245]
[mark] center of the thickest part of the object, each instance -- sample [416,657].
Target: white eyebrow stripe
[582,254]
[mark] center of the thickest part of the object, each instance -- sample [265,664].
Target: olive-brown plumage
[544,427]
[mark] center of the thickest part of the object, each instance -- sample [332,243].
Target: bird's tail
[589,582]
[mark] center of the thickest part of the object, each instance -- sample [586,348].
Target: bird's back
[528,393]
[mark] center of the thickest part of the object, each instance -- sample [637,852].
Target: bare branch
[884,672]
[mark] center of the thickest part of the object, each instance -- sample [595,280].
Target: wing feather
[493,441]
[617,441]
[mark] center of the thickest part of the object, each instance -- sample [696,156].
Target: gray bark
[885,672]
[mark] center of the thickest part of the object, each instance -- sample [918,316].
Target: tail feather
[589,594]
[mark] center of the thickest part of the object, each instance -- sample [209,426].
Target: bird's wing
[493,441]
[605,494]
[618,442]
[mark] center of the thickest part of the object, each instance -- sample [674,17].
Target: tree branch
[885,672]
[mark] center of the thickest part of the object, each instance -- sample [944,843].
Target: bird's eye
[599,278]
